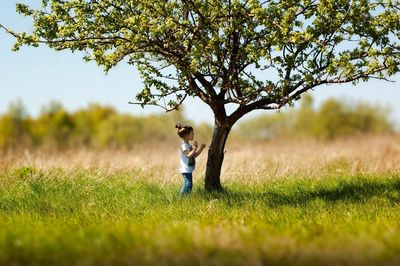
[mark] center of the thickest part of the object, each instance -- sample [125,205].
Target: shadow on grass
[358,190]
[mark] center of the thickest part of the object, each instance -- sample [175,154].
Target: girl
[188,153]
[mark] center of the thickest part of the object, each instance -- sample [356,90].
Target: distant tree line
[94,127]
[99,127]
[331,120]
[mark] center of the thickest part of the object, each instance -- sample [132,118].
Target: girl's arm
[200,150]
[191,154]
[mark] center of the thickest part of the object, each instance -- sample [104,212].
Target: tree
[15,126]
[249,54]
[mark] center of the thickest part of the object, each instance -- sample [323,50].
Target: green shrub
[333,119]
[95,126]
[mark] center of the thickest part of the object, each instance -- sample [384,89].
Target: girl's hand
[195,144]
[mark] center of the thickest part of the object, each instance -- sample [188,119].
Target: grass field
[284,204]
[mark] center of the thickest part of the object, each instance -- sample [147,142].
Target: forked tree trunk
[216,157]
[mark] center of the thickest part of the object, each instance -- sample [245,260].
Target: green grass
[79,217]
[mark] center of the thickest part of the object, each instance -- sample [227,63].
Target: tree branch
[176,107]
[10,31]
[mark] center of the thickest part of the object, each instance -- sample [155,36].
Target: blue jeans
[187,184]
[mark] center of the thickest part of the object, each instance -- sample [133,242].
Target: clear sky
[38,75]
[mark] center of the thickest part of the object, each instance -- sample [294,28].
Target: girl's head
[185,132]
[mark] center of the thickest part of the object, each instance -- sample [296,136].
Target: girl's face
[190,136]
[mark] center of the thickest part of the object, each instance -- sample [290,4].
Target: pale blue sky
[39,75]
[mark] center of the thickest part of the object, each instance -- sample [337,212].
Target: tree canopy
[212,49]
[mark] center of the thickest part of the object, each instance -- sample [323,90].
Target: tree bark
[216,157]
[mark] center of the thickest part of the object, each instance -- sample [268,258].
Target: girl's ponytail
[178,126]
[183,130]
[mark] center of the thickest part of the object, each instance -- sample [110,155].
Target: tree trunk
[216,157]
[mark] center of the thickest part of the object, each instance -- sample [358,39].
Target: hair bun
[178,126]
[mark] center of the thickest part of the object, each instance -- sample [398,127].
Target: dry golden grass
[279,159]
[245,162]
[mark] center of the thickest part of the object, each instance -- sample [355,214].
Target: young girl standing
[188,153]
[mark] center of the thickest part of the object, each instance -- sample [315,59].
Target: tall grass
[284,203]
[83,217]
